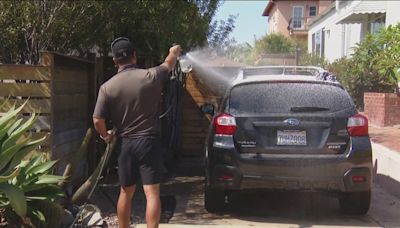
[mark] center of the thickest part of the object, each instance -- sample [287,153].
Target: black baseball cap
[121,48]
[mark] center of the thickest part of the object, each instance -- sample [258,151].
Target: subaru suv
[288,129]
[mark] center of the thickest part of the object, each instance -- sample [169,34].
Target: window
[318,42]
[376,24]
[322,43]
[313,43]
[312,11]
[298,17]
[281,97]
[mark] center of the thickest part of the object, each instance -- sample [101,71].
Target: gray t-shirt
[131,100]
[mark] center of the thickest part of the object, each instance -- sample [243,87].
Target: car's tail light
[224,124]
[225,177]
[357,125]
[358,179]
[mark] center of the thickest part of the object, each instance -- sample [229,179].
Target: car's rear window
[287,97]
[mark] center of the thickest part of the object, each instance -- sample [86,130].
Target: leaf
[4,130]
[4,102]
[9,177]
[24,151]
[10,114]
[8,154]
[18,132]
[43,168]
[49,179]
[37,214]
[33,162]
[16,197]
[14,126]
[50,191]
[33,187]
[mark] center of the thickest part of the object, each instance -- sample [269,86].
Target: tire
[214,200]
[355,203]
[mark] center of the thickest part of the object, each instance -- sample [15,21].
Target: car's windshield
[287,97]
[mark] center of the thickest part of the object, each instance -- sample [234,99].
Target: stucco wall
[282,11]
[339,39]
[392,12]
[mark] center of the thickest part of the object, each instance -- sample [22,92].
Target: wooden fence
[195,124]
[58,92]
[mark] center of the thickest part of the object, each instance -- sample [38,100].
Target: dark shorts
[140,158]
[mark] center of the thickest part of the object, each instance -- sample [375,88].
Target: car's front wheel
[356,203]
[214,200]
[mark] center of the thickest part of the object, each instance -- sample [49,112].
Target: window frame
[301,18]
[309,10]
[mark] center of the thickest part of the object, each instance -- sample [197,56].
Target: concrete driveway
[183,207]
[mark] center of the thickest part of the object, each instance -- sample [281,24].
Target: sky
[249,22]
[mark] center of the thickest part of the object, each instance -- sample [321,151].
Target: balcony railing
[298,24]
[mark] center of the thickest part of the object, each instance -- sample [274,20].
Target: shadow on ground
[183,203]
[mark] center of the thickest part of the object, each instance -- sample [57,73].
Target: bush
[373,67]
[309,59]
[27,188]
[274,43]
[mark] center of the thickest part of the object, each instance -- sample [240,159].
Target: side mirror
[207,109]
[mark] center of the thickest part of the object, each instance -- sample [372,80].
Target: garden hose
[102,164]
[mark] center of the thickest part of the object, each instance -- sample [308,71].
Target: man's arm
[170,60]
[101,128]
[100,115]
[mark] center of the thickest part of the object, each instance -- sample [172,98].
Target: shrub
[274,43]
[309,59]
[373,67]
[25,186]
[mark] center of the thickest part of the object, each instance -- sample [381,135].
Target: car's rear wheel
[356,203]
[214,200]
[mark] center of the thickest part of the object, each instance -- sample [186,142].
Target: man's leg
[153,206]
[124,206]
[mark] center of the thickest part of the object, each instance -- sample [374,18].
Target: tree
[79,27]
[240,52]
[218,35]
[274,43]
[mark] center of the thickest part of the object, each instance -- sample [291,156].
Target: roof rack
[284,70]
[317,72]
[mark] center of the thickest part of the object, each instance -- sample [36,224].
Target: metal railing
[283,70]
[317,72]
[298,23]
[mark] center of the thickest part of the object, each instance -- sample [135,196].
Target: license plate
[286,138]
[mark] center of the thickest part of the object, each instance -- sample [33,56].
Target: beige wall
[282,11]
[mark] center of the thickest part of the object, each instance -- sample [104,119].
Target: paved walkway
[386,136]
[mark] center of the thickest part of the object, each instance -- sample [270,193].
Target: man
[131,99]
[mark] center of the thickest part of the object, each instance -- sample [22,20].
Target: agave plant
[24,184]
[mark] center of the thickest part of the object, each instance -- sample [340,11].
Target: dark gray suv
[288,128]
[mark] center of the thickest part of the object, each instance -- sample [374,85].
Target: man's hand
[170,61]
[100,126]
[108,137]
[176,50]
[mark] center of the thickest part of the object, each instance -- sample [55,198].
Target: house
[291,18]
[335,32]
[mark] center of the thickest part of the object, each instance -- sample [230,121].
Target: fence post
[297,56]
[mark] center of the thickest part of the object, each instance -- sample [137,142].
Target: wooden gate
[59,93]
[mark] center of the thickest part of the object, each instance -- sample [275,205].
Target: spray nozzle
[184,62]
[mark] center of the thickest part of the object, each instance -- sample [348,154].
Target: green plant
[24,184]
[274,43]
[309,59]
[373,67]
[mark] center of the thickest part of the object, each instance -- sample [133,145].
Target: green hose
[82,193]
